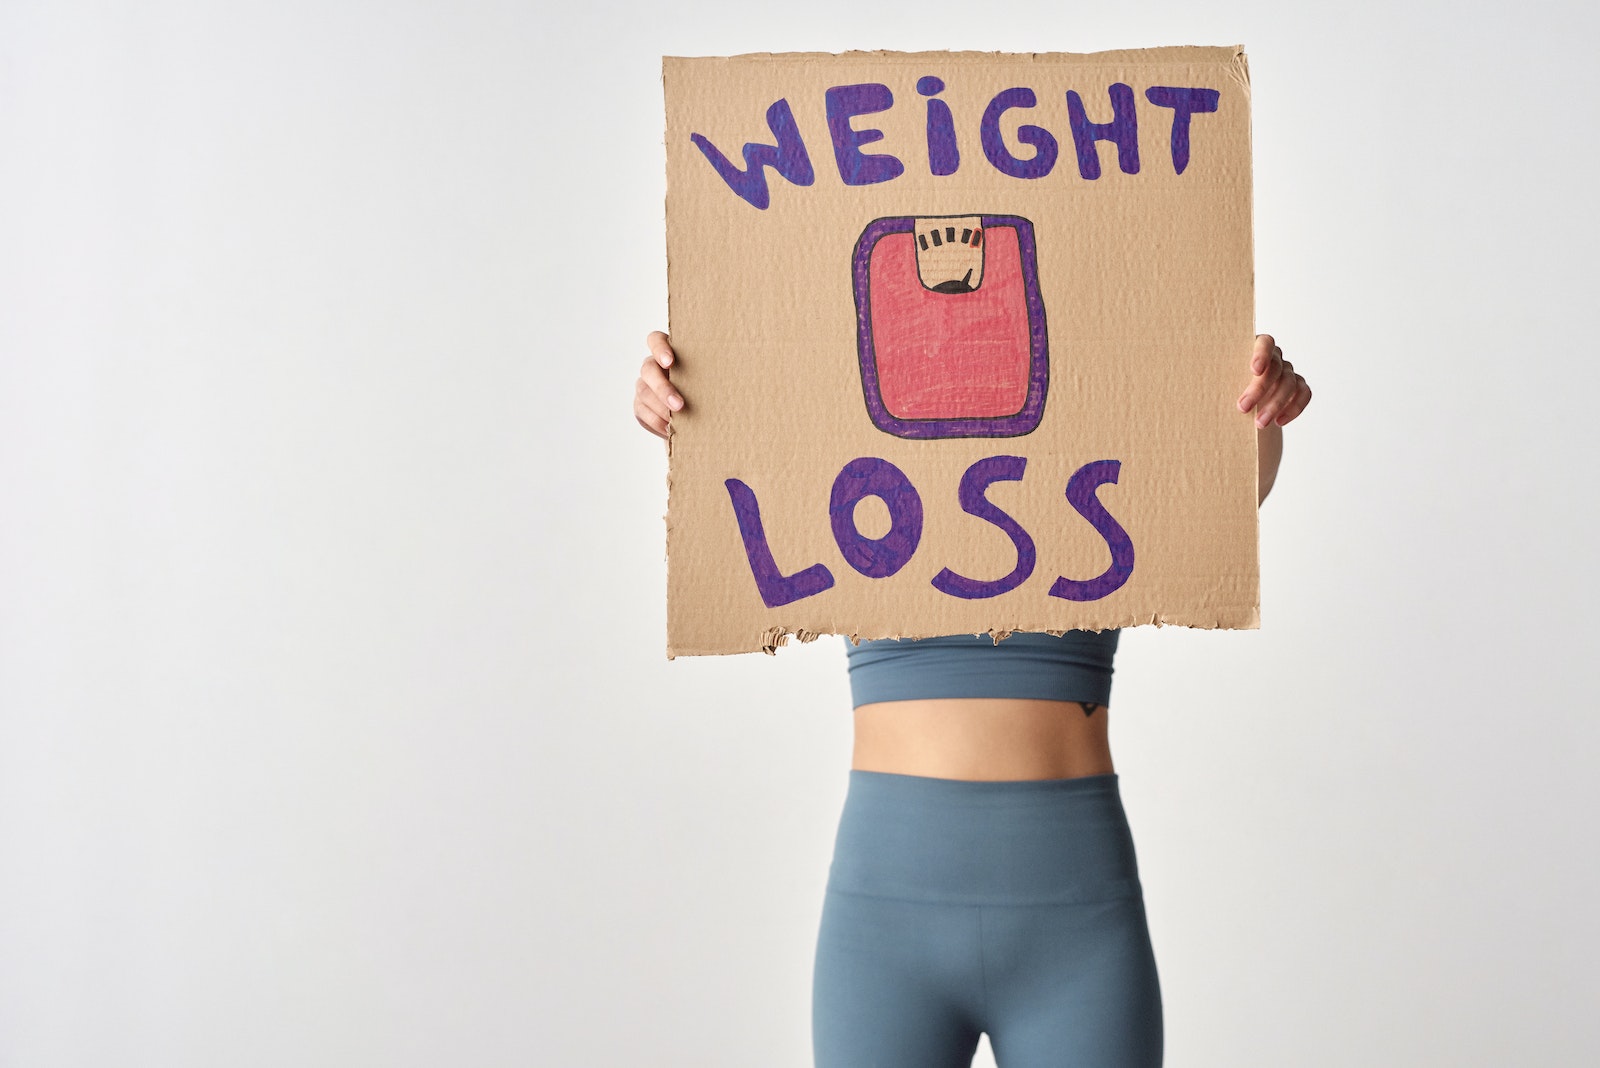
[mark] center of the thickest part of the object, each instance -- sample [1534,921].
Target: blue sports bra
[1074,667]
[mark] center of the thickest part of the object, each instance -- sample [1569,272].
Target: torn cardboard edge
[775,637]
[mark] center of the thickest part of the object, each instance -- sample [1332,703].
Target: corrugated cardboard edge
[1244,617]
[666,194]
[1239,71]
[1165,53]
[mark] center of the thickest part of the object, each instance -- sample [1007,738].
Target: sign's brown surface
[960,335]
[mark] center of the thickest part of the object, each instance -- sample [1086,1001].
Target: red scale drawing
[950,326]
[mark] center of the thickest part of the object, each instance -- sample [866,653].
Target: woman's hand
[1278,394]
[1276,391]
[654,398]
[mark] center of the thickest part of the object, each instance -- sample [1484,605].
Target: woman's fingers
[653,423]
[1262,384]
[660,348]
[1266,344]
[1284,393]
[656,369]
[645,397]
[649,410]
[654,396]
[1267,367]
[654,378]
[1297,404]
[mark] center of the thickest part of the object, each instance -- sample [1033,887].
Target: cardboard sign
[960,336]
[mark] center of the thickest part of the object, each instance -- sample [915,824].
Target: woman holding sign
[984,879]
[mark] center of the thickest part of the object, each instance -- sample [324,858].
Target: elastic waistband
[1074,666]
[955,841]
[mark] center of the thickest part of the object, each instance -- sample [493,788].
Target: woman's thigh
[1071,985]
[896,984]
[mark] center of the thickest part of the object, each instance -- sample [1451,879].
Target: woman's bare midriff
[985,739]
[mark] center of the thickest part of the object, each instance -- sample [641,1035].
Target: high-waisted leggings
[958,908]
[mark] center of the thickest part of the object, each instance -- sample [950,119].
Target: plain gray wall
[335,728]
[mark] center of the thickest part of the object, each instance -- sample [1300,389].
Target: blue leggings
[956,908]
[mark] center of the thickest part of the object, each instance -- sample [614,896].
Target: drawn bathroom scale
[950,326]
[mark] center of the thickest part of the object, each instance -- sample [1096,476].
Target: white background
[335,728]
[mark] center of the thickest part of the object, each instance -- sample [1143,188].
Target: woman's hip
[956,841]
